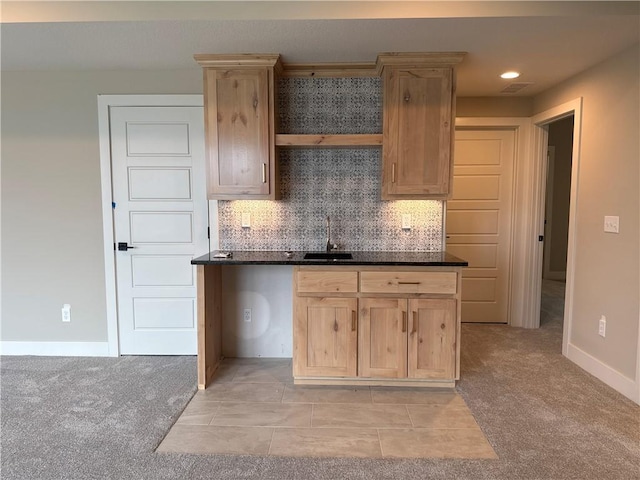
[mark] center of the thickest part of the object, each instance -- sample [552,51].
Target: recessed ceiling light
[510,75]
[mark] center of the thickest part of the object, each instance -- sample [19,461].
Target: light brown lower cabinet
[327,337]
[382,342]
[350,335]
[402,338]
[432,339]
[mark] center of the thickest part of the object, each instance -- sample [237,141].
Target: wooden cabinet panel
[432,338]
[240,137]
[418,124]
[325,337]
[309,281]
[408,282]
[382,345]
[240,125]
[370,332]
[417,132]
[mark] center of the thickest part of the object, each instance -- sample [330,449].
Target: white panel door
[160,216]
[479,218]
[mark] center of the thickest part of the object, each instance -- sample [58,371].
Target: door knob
[123,246]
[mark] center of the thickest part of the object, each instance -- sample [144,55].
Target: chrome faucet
[330,245]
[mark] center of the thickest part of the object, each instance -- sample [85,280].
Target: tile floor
[253,408]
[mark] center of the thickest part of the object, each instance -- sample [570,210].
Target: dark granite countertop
[415,259]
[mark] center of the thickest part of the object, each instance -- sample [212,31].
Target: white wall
[607,279]
[267,292]
[52,247]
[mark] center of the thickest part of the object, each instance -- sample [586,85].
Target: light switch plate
[66,312]
[246,220]
[612,224]
[406,221]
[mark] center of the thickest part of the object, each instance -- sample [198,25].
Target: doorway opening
[543,124]
[556,222]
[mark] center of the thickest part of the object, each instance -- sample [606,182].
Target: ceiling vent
[515,87]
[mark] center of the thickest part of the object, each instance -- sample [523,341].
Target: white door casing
[479,220]
[159,192]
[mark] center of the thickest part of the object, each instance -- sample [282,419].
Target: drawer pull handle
[415,322]
[335,325]
[264,173]
[408,283]
[354,322]
[404,322]
[393,173]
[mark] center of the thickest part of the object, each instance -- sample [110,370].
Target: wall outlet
[246,220]
[602,326]
[406,221]
[246,316]
[66,312]
[612,224]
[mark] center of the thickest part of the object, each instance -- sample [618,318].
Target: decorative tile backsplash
[330,105]
[343,183]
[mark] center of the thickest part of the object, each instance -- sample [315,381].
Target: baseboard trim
[604,373]
[56,349]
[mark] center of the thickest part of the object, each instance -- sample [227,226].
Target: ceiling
[546,41]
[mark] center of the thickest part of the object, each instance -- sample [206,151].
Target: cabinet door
[325,337]
[432,338]
[238,122]
[382,345]
[417,137]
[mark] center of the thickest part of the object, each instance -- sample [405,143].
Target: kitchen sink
[328,256]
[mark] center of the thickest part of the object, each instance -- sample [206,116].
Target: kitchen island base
[378,319]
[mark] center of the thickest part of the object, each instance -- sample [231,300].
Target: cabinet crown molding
[242,60]
[418,59]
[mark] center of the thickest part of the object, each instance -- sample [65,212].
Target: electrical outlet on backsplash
[343,183]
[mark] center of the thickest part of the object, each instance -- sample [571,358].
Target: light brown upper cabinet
[240,125]
[418,124]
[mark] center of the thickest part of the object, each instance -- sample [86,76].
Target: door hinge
[208,232]
[540,238]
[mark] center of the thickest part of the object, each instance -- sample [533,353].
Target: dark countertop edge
[328,263]
[240,258]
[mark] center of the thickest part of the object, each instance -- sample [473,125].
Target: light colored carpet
[102,418]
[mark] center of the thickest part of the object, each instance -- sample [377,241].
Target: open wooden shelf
[356,140]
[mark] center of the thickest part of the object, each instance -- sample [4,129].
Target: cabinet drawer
[327,281]
[409,282]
